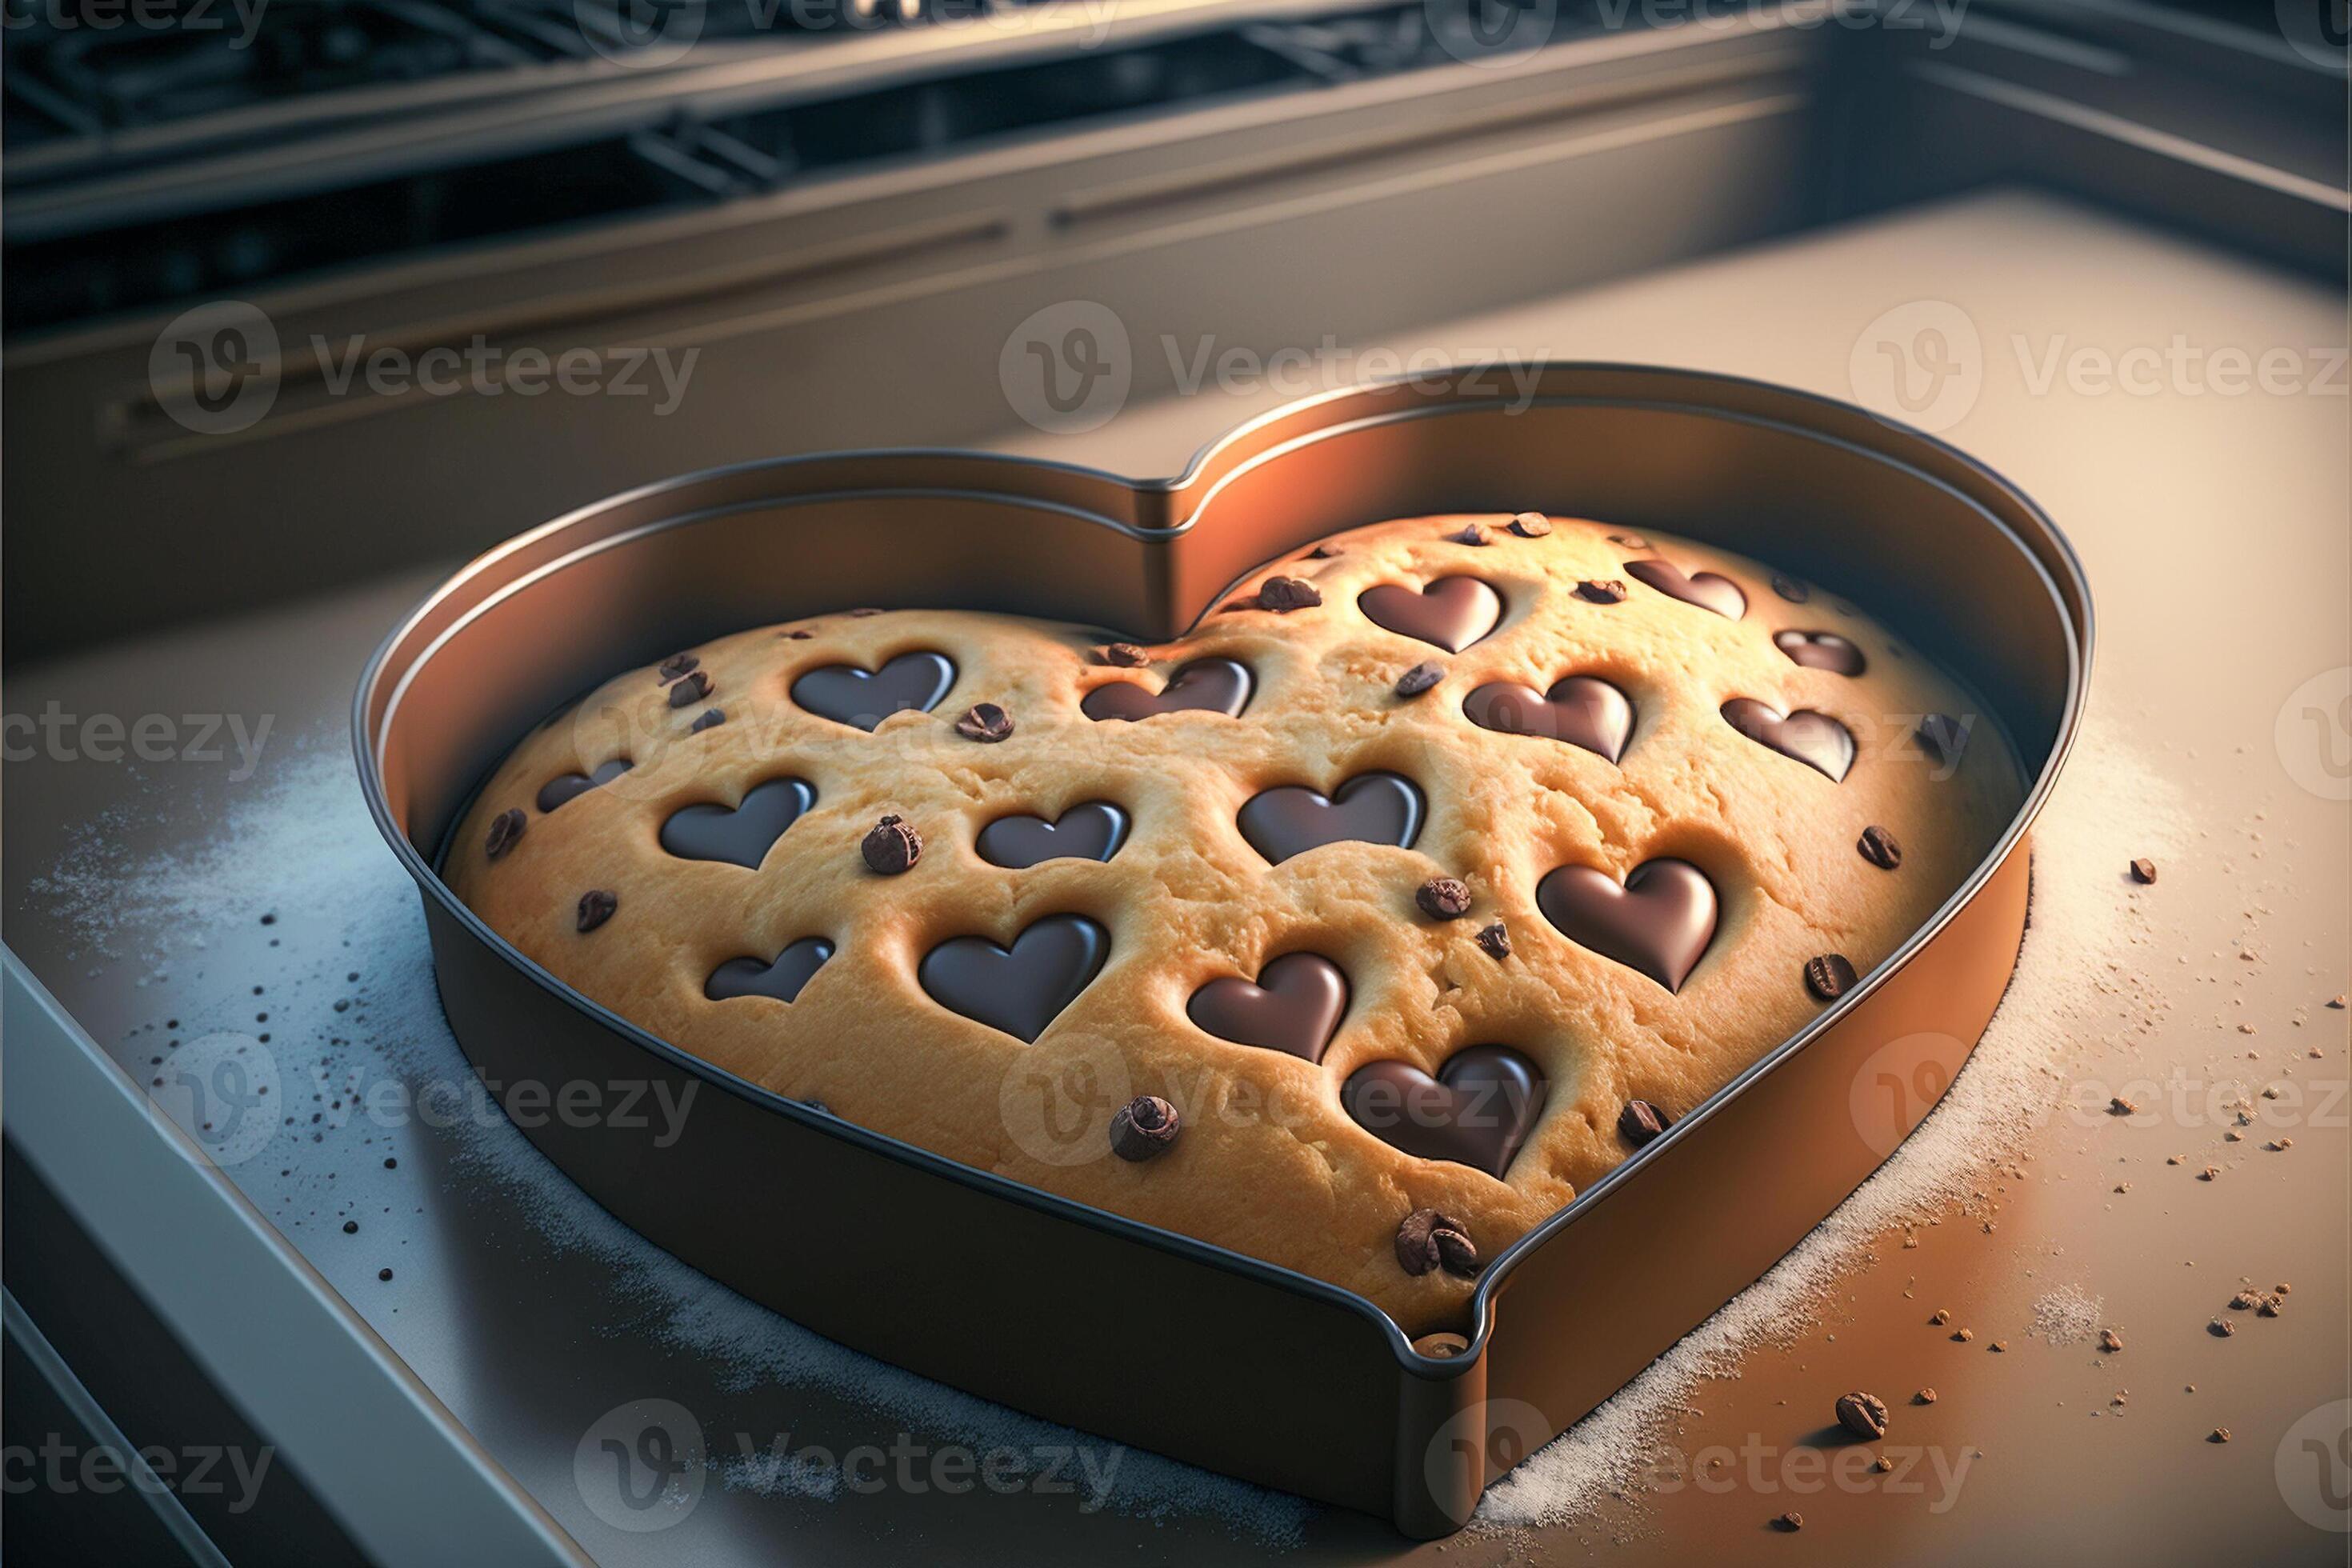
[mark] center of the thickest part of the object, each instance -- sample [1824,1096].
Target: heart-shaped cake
[1384,891]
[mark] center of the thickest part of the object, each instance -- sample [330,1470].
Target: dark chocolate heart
[1022,988]
[1205,685]
[1378,808]
[1815,739]
[1453,612]
[848,695]
[568,787]
[1295,1007]
[1476,1111]
[782,979]
[742,834]
[1821,650]
[1659,922]
[1091,830]
[1582,710]
[1707,590]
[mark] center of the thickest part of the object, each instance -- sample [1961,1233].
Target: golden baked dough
[1268,1160]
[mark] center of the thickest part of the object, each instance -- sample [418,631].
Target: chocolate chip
[1630,541]
[1879,847]
[1791,1522]
[1602,591]
[691,688]
[799,636]
[984,721]
[384,1273]
[2219,1434]
[1829,976]
[1444,898]
[891,847]
[505,829]
[1863,1414]
[1494,942]
[1789,588]
[1471,535]
[596,907]
[1123,655]
[710,719]
[1426,1240]
[676,665]
[1530,525]
[1420,678]
[1640,1122]
[350,1227]
[2143,870]
[1284,595]
[1323,553]
[1143,1129]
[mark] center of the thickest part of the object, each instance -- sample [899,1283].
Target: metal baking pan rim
[2076,617]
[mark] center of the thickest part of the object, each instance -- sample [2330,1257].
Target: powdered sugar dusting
[2067,1315]
[2109,807]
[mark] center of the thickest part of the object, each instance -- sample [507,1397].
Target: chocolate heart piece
[1707,590]
[741,833]
[848,695]
[1659,922]
[1476,1111]
[1378,808]
[1453,612]
[1022,988]
[1092,830]
[567,787]
[1295,1007]
[1582,710]
[1205,685]
[782,980]
[1821,650]
[1815,739]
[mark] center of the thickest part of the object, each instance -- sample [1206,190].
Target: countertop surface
[2182,413]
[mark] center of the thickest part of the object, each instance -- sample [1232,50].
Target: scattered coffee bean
[1602,591]
[1882,1464]
[596,907]
[1789,588]
[1420,678]
[676,665]
[2001,1346]
[2337,1001]
[891,847]
[1494,942]
[1123,655]
[2285,1290]
[1444,898]
[1640,1122]
[1471,535]
[1284,595]
[2219,1434]
[2110,1341]
[1530,525]
[1879,847]
[2220,1328]
[2246,1301]
[1829,976]
[1144,1129]
[505,829]
[1962,1336]
[2119,1106]
[1925,1396]
[710,719]
[985,723]
[1863,1414]
[691,688]
[2270,1307]
[1426,1240]
[1940,1318]
[2143,870]
[2208,1172]
[1791,1522]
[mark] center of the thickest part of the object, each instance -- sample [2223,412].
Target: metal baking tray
[1081,1316]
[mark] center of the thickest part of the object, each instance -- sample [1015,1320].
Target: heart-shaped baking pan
[1065,1310]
